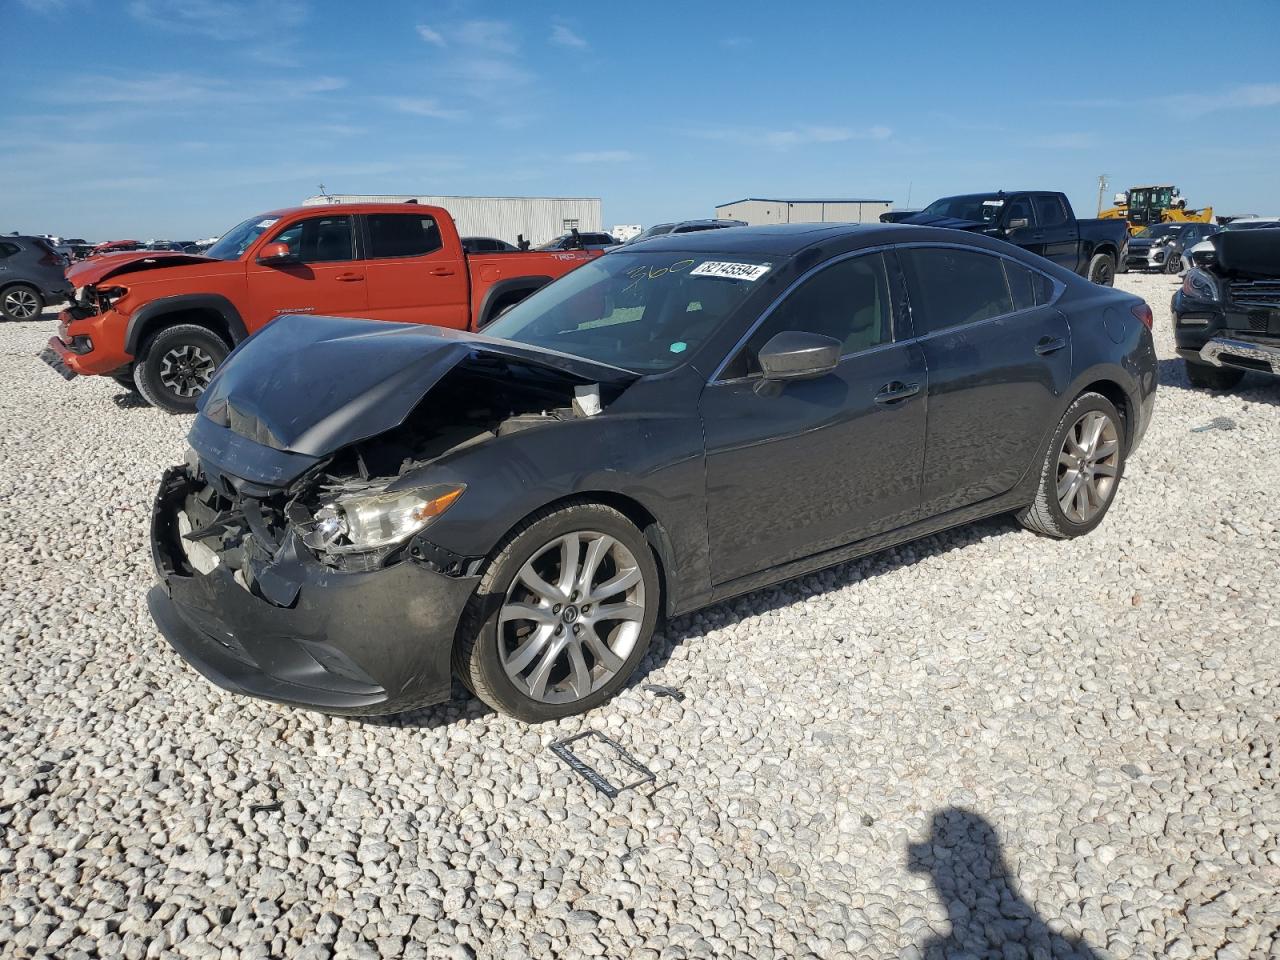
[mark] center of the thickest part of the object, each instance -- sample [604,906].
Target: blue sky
[178,118]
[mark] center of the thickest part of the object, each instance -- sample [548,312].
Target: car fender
[144,317]
[502,288]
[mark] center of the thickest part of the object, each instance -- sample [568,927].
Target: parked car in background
[1159,247]
[163,321]
[179,246]
[78,247]
[1202,253]
[116,246]
[575,240]
[1226,315]
[1039,221]
[685,226]
[672,424]
[31,277]
[488,245]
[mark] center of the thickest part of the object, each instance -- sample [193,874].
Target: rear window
[404,235]
[949,287]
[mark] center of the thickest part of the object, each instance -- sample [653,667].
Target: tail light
[1143,313]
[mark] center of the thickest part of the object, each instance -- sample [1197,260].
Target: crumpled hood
[306,386]
[96,269]
[951,223]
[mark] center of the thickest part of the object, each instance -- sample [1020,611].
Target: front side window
[404,235]
[949,287]
[1049,211]
[1020,209]
[640,311]
[319,239]
[848,301]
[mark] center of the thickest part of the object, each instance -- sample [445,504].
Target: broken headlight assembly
[1201,286]
[364,522]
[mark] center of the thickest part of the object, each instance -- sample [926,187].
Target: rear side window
[8,250]
[950,287]
[1049,211]
[403,235]
[319,239]
[1029,288]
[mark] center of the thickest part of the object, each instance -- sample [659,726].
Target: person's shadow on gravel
[988,917]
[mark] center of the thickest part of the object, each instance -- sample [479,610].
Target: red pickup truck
[162,322]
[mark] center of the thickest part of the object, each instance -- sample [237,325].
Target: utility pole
[1102,188]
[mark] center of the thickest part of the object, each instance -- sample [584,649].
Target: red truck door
[328,279]
[417,272]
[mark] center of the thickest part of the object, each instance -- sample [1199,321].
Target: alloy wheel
[571,617]
[21,304]
[1088,465]
[186,370]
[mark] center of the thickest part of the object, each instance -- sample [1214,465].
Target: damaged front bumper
[363,643]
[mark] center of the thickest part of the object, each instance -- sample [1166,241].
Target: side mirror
[276,255]
[795,355]
[1016,224]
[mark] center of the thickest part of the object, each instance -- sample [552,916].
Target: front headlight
[1201,285]
[367,522]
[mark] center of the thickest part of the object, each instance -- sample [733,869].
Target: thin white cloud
[424,107]
[497,36]
[565,37]
[1247,97]
[429,35]
[795,136]
[602,156]
[176,88]
[225,20]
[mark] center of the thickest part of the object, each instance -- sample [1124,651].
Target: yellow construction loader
[1143,206]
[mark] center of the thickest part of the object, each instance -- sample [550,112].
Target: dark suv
[31,276]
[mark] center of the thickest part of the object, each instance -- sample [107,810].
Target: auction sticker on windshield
[731,271]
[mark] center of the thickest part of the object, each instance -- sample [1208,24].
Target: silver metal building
[538,219]
[756,211]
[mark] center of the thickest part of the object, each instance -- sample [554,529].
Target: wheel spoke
[527,611]
[617,611]
[623,581]
[606,657]
[1094,433]
[542,672]
[569,548]
[1066,486]
[581,679]
[1105,449]
[523,655]
[597,550]
[1104,470]
[529,577]
[1073,444]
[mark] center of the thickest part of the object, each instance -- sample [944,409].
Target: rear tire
[176,364]
[1208,377]
[500,652]
[21,302]
[1172,264]
[1081,472]
[1102,270]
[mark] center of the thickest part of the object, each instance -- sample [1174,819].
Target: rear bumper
[368,643]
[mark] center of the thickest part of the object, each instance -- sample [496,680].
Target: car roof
[787,239]
[348,208]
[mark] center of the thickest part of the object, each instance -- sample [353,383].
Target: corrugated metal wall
[539,219]
[804,211]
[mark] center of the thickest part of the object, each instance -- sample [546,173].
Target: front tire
[563,615]
[1208,377]
[1081,472]
[176,365]
[1102,270]
[1172,264]
[21,302]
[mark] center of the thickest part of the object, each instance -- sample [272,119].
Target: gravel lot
[985,744]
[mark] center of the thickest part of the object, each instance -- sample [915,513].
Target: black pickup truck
[1040,221]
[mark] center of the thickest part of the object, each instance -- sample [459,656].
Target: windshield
[639,311]
[977,209]
[1252,224]
[654,231]
[239,238]
[1159,230]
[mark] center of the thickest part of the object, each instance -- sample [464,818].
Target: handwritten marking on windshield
[653,273]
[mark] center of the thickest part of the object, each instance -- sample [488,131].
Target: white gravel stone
[984,744]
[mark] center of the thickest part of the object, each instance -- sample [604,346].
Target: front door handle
[441,271]
[1048,345]
[897,391]
[349,277]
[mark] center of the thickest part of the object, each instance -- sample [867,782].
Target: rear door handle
[1048,345]
[441,271]
[349,277]
[897,391]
